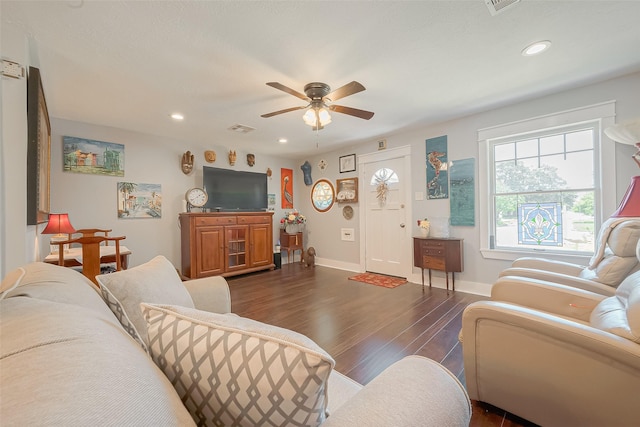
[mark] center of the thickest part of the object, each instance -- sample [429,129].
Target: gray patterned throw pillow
[230,370]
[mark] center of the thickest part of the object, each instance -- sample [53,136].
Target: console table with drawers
[440,254]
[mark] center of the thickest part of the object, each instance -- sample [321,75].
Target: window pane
[582,140]
[575,170]
[527,148]
[552,144]
[504,151]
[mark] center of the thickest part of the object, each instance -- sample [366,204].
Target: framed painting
[437,168]
[462,188]
[347,190]
[286,185]
[83,155]
[38,151]
[347,163]
[136,200]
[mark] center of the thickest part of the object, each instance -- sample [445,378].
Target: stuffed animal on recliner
[309,257]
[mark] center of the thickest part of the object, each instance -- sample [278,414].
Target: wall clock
[196,197]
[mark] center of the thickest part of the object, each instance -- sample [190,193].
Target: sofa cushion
[229,370]
[66,365]
[155,281]
[619,315]
[11,281]
[52,282]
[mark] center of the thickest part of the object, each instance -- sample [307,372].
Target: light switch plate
[12,69]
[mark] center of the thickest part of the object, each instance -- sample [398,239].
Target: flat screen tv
[231,190]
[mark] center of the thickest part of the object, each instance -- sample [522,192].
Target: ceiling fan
[320,97]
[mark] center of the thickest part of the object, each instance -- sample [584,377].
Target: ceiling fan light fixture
[314,115]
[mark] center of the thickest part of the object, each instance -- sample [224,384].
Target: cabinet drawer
[432,244]
[433,251]
[254,219]
[215,220]
[433,262]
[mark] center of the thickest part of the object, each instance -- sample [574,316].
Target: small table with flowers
[291,243]
[291,237]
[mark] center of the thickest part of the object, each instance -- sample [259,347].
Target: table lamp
[60,226]
[628,133]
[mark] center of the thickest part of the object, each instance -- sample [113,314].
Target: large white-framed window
[544,185]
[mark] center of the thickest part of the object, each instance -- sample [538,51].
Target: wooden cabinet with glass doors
[226,244]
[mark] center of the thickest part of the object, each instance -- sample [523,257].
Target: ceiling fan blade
[346,90]
[275,113]
[351,111]
[290,91]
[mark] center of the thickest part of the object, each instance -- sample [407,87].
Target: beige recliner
[554,354]
[614,259]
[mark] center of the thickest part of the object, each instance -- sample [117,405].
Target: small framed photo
[382,144]
[347,190]
[348,163]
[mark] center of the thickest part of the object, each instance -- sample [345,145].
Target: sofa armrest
[549,265]
[564,279]
[414,391]
[210,294]
[549,297]
[570,373]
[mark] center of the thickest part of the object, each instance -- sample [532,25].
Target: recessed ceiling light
[282,140]
[177,116]
[536,48]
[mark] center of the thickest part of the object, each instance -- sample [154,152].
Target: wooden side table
[291,243]
[440,254]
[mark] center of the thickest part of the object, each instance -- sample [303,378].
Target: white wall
[324,229]
[91,200]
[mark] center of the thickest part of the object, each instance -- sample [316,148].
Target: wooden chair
[91,253]
[86,232]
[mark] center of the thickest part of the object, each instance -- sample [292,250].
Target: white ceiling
[129,64]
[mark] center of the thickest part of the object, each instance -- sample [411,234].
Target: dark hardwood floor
[364,327]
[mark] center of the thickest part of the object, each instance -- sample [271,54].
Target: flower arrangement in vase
[293,222]
[424,225]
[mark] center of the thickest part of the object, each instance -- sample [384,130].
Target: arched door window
[381,180]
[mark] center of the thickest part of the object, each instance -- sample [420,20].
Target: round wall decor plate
[347,212]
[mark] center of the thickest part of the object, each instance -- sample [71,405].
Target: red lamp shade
[59,224]
[630,204]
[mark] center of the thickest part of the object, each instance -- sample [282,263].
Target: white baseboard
[348,266]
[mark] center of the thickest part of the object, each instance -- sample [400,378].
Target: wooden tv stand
[226,243]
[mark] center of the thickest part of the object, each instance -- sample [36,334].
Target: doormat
[379,280]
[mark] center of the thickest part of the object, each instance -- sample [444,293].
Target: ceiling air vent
[497,6]
[241,129]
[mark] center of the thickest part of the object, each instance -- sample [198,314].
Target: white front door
[387,233]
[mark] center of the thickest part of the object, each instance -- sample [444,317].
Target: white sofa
[67,360]
[614,259]
[554,354]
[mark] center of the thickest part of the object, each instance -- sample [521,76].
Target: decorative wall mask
[210,156]
[251,159]
[306,170]
[269,172]
[187,163]
[232,157]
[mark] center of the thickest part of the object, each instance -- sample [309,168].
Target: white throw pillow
[230,370]
[155,281]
